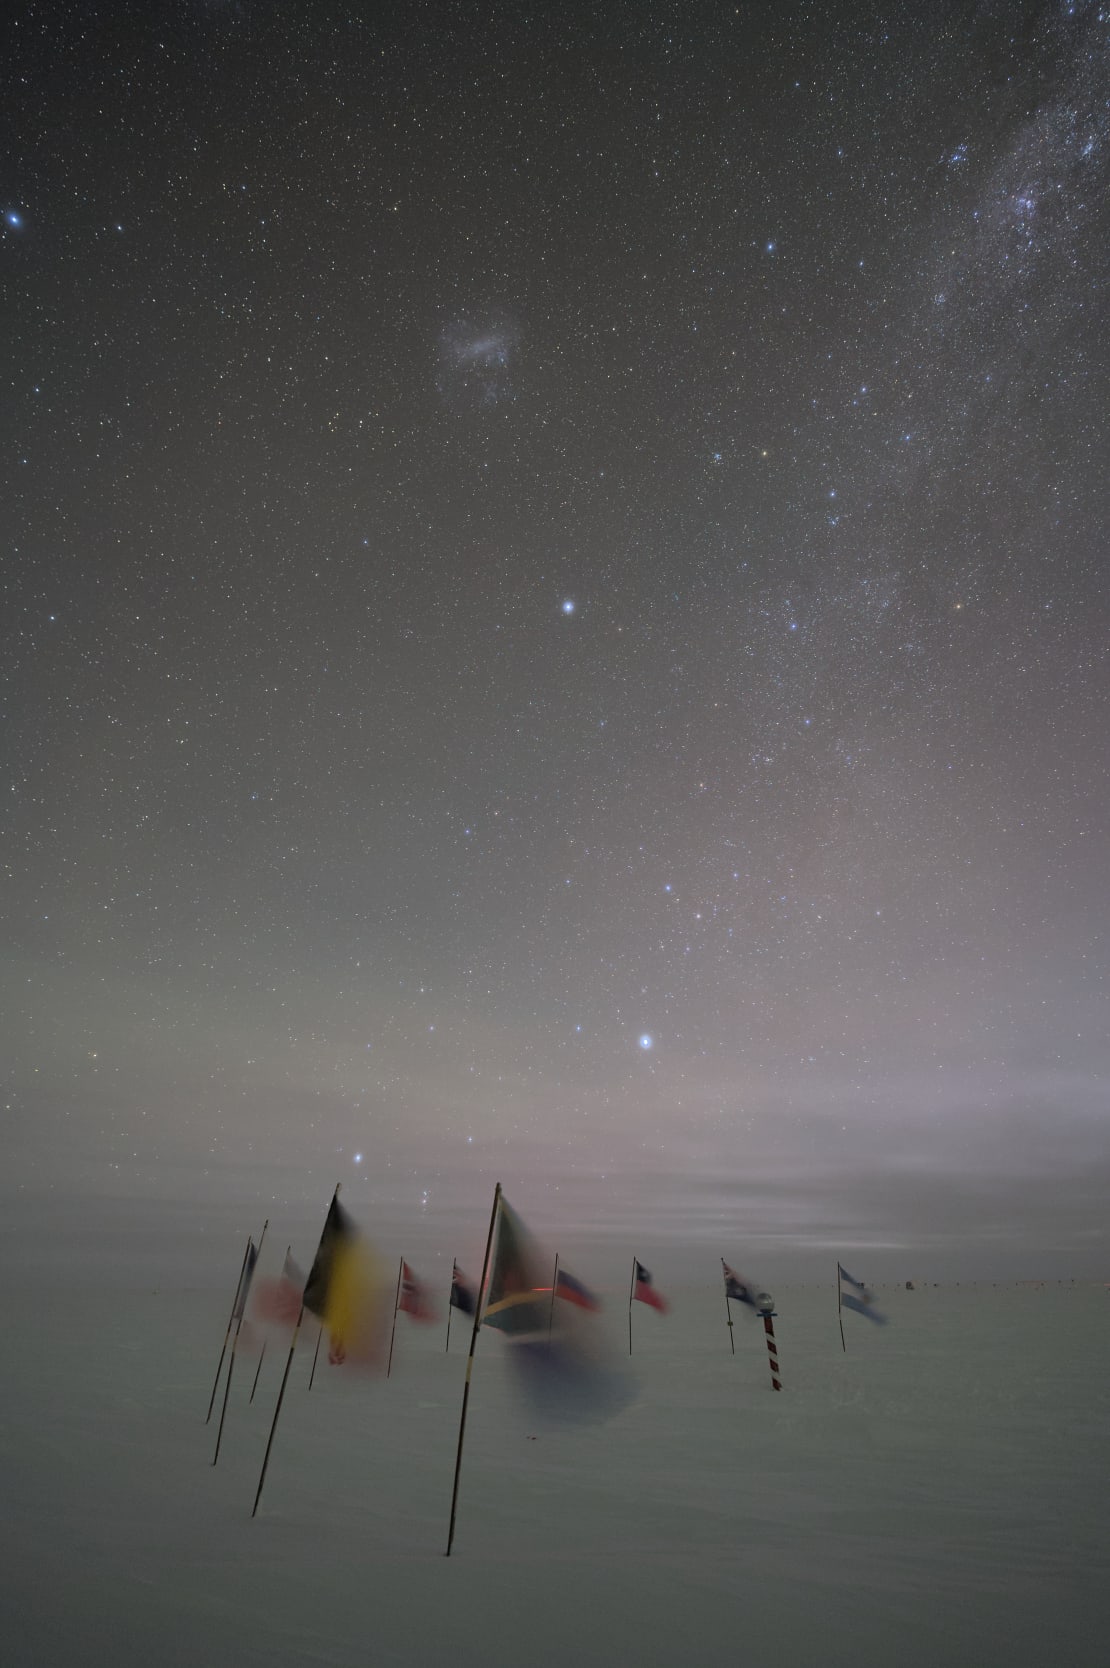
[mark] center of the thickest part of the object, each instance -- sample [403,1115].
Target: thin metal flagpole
[242,1307]
[450,1305]
[554,1287]
[285,1374]
[227,1334]
[315,1354]
[728,1312]
[396,1301]
[470,1366]
[277,1410]
[631,1289]
[257,1370]
[265,1341]
[839,1310]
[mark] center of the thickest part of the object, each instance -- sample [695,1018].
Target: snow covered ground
[937,1496]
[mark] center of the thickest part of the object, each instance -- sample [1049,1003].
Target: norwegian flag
[414,1298]
[644,1291]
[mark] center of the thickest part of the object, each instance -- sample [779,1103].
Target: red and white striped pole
[766,1310]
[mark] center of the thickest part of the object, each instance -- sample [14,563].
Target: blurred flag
[462,1293]
[644,1291]
[414,1299]
[855,1296]
[345,1289]
[735,1287]
[515,1301]
[245,1279]
[564,1371]
[279,1301]
[575,1292]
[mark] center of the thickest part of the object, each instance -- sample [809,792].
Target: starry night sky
[555,620]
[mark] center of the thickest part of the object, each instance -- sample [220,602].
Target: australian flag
[735,1287]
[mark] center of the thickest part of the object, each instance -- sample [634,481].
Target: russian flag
[575,1292]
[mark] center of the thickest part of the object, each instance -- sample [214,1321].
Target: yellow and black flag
[345,1288]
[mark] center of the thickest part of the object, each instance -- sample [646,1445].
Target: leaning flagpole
[554,1288]
[242,1308]
[728,1312]
[470,1364]
[315,1356]
[631,1289]
[396,1301]
[265,1341]
[227,1334]
[258,1369]
[839,1309]
[288,1364]
[450,1305]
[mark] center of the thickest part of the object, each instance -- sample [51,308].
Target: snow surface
[937,1496]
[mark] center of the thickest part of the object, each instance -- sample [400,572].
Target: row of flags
[563,1363]
[343,1289]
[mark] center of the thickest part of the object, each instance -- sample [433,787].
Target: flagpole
[470,1365]
[285,1374]
[242,1307]
[396,1301]
[227,1334]
[554,1283]
[265,1341]
[315,1353]
[728,1312]
[450,1305]
[631,1289]
[839,1310]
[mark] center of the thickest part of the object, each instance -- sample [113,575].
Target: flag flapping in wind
[565,1372]
[643,1290]
[566,1286]
[279,1301]
[345,1289]
[415,1299]
[737,1288]
[855,1296]
[462,1292]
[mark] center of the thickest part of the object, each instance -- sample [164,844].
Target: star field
[555,616]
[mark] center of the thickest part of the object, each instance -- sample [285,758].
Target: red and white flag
[644,1291]
[414,1298]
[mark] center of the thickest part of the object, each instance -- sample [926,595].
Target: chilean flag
[645,1292]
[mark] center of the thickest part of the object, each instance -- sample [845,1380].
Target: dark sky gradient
[555,620]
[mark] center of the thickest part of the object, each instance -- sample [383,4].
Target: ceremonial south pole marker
[765,1303]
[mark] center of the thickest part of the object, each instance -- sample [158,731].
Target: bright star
[358,1158]
[646,1041]
[568,605]
[14,220]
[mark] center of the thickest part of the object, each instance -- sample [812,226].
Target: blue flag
[735,1287]
[857,1297]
